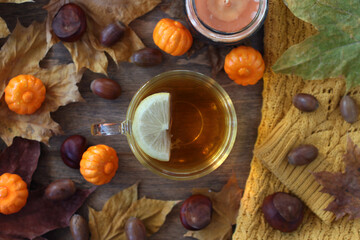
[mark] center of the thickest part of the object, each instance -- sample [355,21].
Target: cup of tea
[198,125]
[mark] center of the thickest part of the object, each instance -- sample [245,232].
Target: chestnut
[147,57]
[305,102]
[283,211]
[135,229]
[72,150]
[112,33]
[195,212]
[60,189]
[303,154]
[79,228]
[349,109]
[69,23]
[105,88]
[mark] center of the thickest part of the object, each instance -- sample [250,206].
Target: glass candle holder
[226,21]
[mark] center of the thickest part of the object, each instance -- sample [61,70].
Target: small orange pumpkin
[99,164]
[13,193]
[244,65]
[172,37]
[24,94]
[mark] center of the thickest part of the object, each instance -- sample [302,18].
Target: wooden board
[76,118]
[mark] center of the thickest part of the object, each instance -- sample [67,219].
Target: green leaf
[335,50]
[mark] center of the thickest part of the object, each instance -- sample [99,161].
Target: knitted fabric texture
[284,127]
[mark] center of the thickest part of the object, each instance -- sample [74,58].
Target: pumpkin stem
[244,72]
[28,96]
[3,192]
[109,168]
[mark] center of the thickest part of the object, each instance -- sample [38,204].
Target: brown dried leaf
[345,187]
[225,205]
[88,52]
[20,158]
[41,215]
[23,51]
[4,31]
[174,8]
[109,223]
[216,61]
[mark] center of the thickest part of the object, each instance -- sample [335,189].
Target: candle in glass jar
[227,16]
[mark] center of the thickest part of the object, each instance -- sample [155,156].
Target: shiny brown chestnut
[135,229]
[283,211]
[72,150]
[349,109]
[147,57]
[112,33]
[60,189]
[195,212]
[305,102]
[303,154]
[105,88]
[69,23]
[79,228]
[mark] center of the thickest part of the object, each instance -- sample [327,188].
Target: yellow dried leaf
[109,223]
[21,55]
[226,204]
[4,31]
[88,52]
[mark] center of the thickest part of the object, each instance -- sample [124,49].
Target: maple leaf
[4,31]
[21,55]
[88,52]
[345,187]
[109,223]
[334,50]
[225,205]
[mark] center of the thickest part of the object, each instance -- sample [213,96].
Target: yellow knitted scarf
[283,127]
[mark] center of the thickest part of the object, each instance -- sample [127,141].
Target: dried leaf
[333,51]
[225,204]
[109,223]
[41,215]
[20,158]
[23,51]
[345,187]
[88,52]
[4,31]
[216,61]
[174,8]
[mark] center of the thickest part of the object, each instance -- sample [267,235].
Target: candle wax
[226,15]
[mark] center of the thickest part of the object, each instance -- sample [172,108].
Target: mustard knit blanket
[283,127]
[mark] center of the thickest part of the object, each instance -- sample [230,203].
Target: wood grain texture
[76,118]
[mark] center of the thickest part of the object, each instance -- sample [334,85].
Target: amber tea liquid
[199,123]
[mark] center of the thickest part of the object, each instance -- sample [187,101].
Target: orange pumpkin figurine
[13,193]
[172,37]
[244,65]
[24,94]
[99,164]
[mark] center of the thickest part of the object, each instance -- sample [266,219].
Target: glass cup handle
[103,129]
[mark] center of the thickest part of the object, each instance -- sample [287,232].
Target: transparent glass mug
[218,155]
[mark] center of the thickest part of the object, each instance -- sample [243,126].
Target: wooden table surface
[76,118]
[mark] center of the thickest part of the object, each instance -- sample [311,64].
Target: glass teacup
[203,124]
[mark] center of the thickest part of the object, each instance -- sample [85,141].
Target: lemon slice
[151,126]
